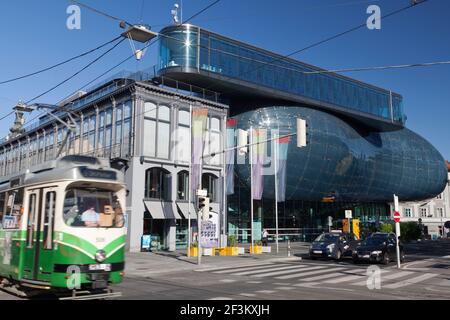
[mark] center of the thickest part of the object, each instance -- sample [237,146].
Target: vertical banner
[258,151]
[283,144]
[231,127]
[199,119]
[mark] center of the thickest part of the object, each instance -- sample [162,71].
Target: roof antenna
[174,13]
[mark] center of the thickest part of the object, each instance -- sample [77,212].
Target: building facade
[145,131]
[433,212]
[358,151]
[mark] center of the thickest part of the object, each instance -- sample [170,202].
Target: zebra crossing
[326,274]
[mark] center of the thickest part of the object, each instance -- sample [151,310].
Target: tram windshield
[92,207]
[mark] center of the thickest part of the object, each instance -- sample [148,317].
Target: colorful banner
[258,154]
[283,144]
[230,155]
[199,120]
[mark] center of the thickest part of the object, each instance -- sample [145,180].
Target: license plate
[316,251]
[102,267]
[366,256]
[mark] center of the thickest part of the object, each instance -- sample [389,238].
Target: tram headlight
[100,256]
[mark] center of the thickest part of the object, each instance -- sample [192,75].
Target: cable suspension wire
[60,63]
[107,71]
[76,73]
[99,12]
[200,12]
[413,65]
[285,57]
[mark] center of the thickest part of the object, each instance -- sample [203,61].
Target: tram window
[2,208]
[90,207]
[13,209]
[50,200]
[30,222]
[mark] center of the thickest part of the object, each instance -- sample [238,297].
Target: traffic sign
[202,192]
[396,216]
[348,214]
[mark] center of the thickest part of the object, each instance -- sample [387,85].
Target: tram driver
[90,217]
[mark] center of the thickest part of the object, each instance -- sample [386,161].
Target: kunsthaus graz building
[358,154]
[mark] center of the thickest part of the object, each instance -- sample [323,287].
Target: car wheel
[386,259]
[355,260]
[338,255]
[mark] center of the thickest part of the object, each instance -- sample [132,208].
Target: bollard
[289,248]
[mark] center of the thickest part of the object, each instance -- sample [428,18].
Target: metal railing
[284,234]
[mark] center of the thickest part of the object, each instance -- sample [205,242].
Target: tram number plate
[98,267]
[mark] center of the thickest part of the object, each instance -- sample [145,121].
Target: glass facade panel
[237,60]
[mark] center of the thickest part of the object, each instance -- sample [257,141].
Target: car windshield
[326,237]
[91,207]
[373,241]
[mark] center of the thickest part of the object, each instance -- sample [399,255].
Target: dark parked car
[333,245]
[378,247]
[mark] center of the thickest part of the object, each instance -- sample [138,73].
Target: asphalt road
[424,275]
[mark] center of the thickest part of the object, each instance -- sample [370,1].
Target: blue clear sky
[34,35]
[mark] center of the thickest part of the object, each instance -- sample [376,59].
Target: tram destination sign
[98,174]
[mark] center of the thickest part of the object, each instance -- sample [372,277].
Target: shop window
[157,184]
[183,186]
[210,184]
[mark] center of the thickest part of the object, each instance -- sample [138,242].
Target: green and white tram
[62,228]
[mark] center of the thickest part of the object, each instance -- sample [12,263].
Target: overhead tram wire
[118,64]
[200,12]
[285,57]
[73,75]
[100,12]
[401,66]
[60,63]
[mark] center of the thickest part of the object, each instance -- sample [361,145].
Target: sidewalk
[146,264]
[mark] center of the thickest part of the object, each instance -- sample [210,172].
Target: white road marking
[344,279]
[409,281]
[304,274]
[227,280]
[248,294]
[284,272]
[220,298]
[265,291]
[233,267]
[254,282]
[396,275]
[284,288]
[321,277]
[254,272]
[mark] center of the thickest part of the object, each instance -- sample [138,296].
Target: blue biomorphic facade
[359,152]
[348,162]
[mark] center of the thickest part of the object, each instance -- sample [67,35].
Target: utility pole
[276,191]
[251,186]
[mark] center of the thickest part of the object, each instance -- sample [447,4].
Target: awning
[183,208]
[162,210]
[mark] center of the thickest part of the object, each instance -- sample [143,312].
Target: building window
[440,212]
[210,183]
[183,185]
[213,141]
[157,184]
[423,212]
[439,197]
[157,130]
[183,143]
[407,212]
[126,143]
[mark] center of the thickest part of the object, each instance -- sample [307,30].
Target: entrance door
[40,227]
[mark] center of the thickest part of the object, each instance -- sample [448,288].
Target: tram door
[38,262]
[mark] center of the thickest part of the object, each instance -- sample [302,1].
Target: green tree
[409,231]
[387,227]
